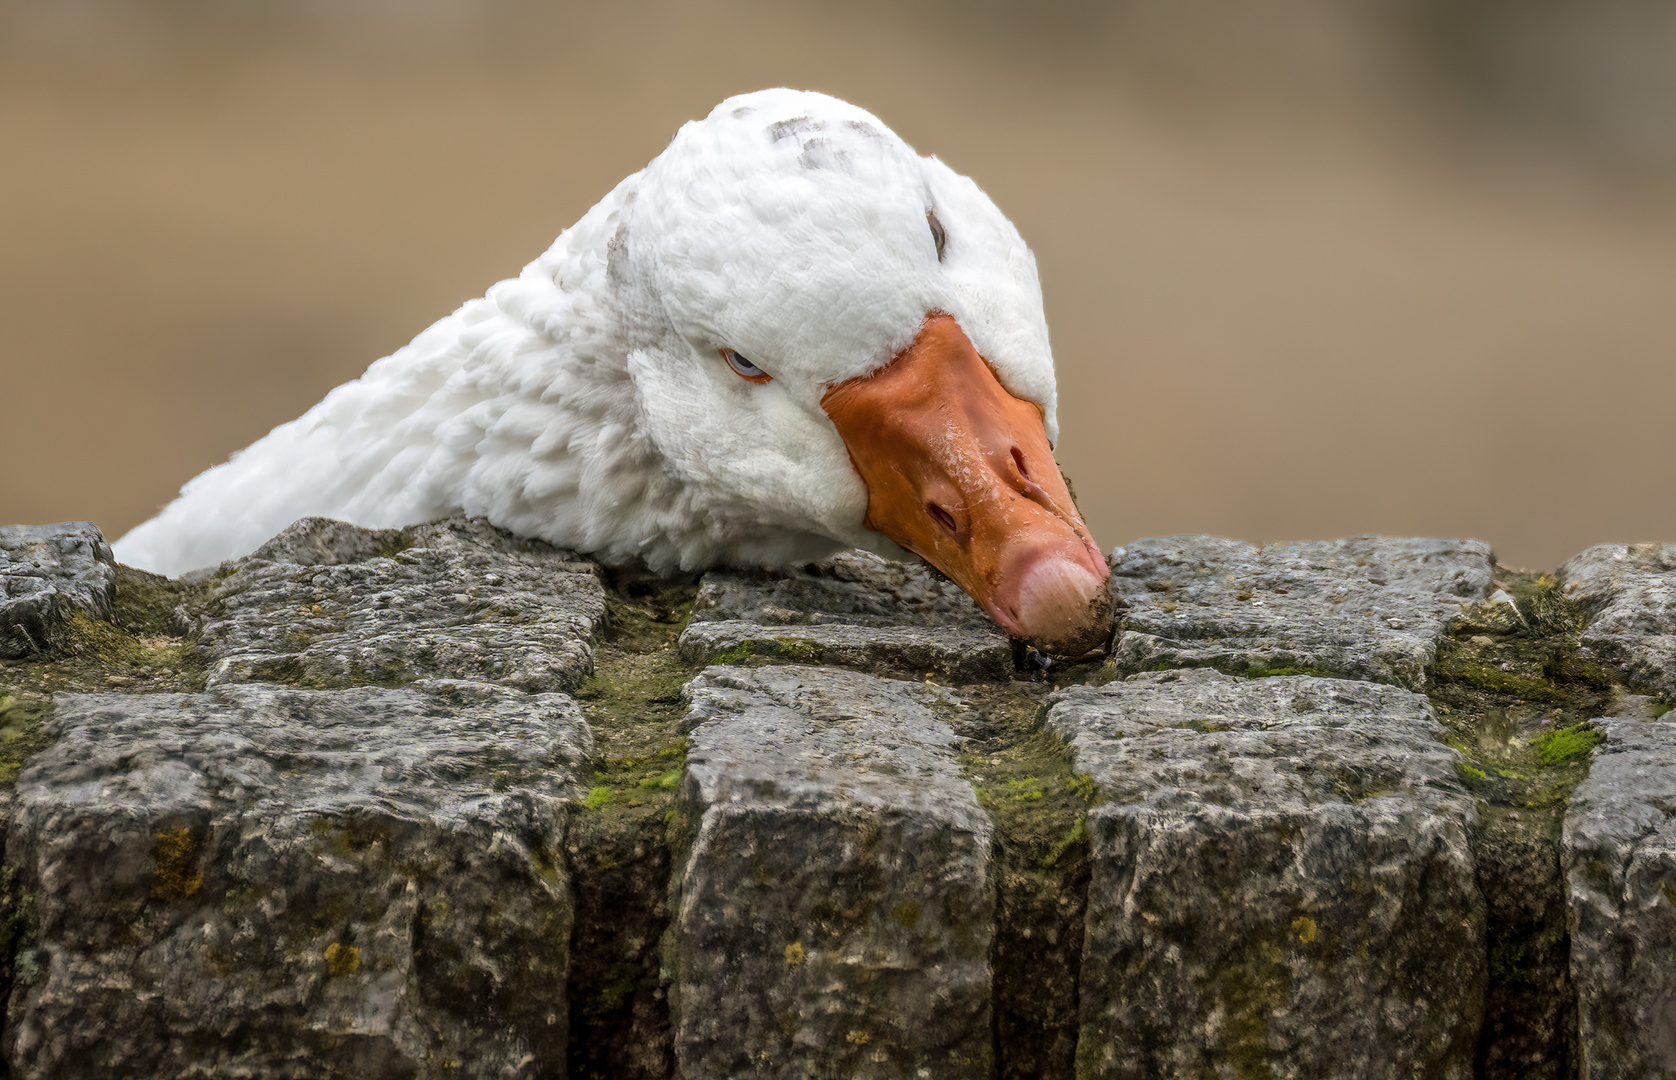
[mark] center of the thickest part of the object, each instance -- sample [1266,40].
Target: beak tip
[1062,607]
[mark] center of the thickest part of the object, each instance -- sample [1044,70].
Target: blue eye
[744,368]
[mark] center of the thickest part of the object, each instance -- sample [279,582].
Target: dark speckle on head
[862,127]
[742,111]
[785,129]
[615,251]
[819,154]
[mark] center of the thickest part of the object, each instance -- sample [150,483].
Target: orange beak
[959,472]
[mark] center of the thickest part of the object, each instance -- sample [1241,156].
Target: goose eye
[939,236]
[744,368]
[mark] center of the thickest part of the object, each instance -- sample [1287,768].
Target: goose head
[831,335]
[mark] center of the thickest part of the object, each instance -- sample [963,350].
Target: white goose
[786,335]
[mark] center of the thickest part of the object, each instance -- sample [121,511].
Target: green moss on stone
[668,780]
[1084,787]
[1075,839]
[1526,688]
[115,649]
[1510,679]
[1250,991]
[22,731]
[1561,745]
[1022,777]
[17,915]
[1260,671]
[798,650]
[1025,787]
[620,851]
[393,542]
[150,606]
[138,650]
[795,649]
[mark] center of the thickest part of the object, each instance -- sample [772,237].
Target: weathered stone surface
[48,572]
[1631,593]
[853,610]
[834,915]
[1369,607]
[1283,883]
[1619,852]
[328,604]
[267,882]
[1275,892]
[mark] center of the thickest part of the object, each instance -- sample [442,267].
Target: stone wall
[438,802]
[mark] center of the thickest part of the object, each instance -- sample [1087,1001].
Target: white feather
[585,401]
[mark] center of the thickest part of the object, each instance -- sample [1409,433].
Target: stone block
[47,573]
[328,604]
[1282,884]
[835,913]
[260,881]
[1630,592]
[1369,607]
[854,610]
[1619,853]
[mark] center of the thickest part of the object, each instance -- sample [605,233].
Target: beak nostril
[941,516]
[1018,460]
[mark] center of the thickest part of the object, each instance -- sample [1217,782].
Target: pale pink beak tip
[1059,605]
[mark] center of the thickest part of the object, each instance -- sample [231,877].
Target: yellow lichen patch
[177,875]
[795,954]
[1305,928]
[859,1037]
[342,959]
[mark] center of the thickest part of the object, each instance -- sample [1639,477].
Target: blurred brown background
[1312,268]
